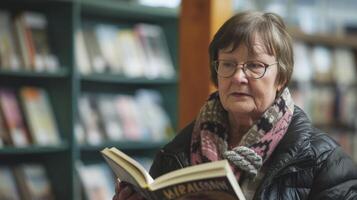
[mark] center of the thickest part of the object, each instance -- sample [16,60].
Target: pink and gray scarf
[210,134]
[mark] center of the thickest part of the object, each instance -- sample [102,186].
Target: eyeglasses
[252,69]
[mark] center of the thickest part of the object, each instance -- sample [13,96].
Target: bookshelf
[66,84]
[340,122]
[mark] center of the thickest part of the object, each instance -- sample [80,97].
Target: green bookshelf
[33,150]
[64,86]
[108,78]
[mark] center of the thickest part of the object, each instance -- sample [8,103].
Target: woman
[251,120]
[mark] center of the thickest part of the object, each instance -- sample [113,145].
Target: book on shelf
[79,132]
[9,58]
[89,117]
[107,39]
[302,66]
[129,116]
[82,57]
[322,106]
[36,34]
[321,58]
[32,42]
[40,116]
[156,51]
[33,182]
[22,42]
[14,122]
[346,100]
[214,180]
[97,61]
[149,103]
[8,187]
[132,53]
[109,118]
[103,186]
[4,134]
[344,68]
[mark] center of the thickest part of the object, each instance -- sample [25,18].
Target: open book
[214,180]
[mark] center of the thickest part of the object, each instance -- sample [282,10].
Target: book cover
[153,115]
[36,29]
[9,58]
[4,133]
[321,58]
[132,53]
[88,114]
[344,66]
[109,118]
[13,118]
[40,116]
[214,180]
[159,63]
[103,186]
[97,61]
[82,57]
[129,116]
[8,187]
[22,42]
[107,39]
[33,182]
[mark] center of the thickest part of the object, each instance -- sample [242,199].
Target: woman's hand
[123,191]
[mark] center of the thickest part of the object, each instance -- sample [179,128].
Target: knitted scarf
[211,129]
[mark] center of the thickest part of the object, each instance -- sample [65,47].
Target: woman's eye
[255,65]
[228,64]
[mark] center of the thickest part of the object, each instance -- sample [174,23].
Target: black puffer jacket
[306,164]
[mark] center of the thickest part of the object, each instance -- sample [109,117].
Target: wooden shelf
[349,41]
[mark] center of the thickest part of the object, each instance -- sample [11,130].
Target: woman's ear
[279,89]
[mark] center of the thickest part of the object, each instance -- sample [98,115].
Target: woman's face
[241,95]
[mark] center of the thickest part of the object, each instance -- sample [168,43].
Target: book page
[212,169]
[126,168]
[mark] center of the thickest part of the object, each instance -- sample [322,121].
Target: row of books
[103,187]
[25,181]
[139,51]
[97,181]
[322,64]
[24,43]
[327,105]
[122,117]
[26,118]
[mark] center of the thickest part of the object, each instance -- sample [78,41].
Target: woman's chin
[240,108]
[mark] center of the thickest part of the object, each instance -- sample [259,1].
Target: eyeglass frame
[244,68]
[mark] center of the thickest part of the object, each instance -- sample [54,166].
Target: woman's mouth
[239,94]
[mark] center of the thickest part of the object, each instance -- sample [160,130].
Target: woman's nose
[239,76]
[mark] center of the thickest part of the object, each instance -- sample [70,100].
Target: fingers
[123,191]
[119,186]
[136,196]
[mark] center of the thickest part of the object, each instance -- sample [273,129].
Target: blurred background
[77,76]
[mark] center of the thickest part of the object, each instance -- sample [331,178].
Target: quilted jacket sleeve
[336,177]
